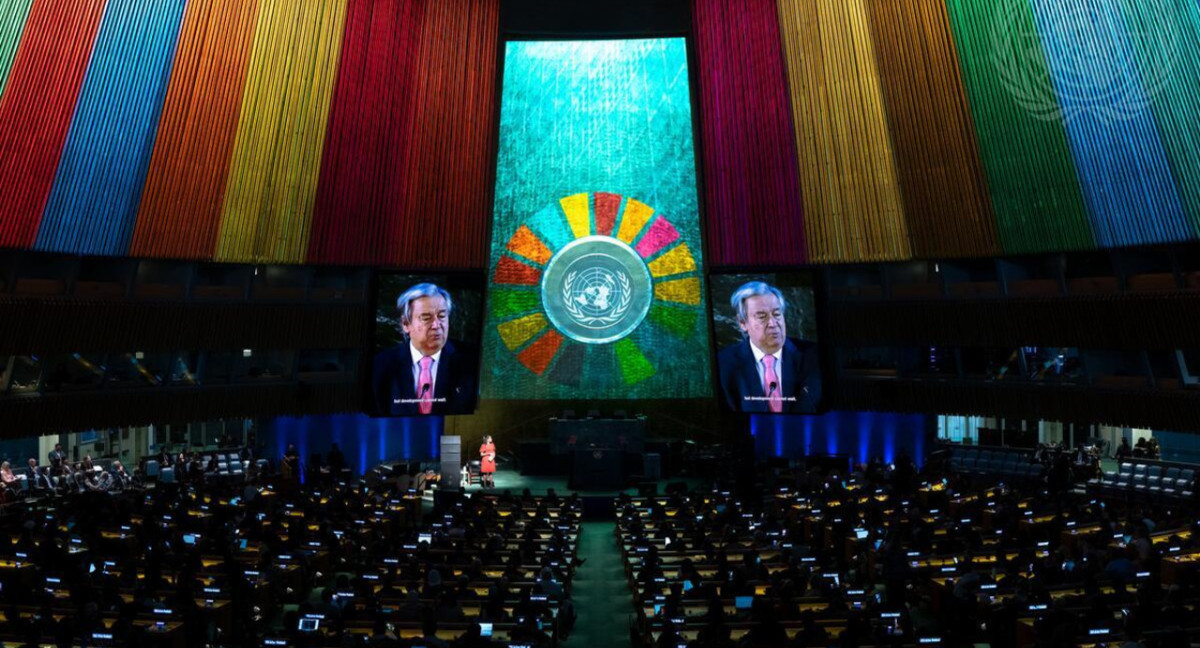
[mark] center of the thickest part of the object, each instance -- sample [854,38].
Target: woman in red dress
[487,463]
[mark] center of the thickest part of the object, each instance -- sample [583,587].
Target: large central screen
[596,270]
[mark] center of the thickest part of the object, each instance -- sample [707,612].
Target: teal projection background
[596,231]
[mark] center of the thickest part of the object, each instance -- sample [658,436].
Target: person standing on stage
[487,463]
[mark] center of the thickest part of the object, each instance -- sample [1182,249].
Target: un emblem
[596,290]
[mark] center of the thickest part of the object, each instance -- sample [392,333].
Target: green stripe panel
[1034,185]
[680,322]
[634,366]
[506,303]
[13,14]
[1165,35]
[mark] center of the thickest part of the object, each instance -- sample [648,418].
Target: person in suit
[431,374]
[37,477]
[56,459]
[768,371]
[121,478]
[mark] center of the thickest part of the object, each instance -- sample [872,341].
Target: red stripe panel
[751,185]
[513,272]
[606,212]
[356,209]
[37,107]
[537,356]
[448,188]
[406,175]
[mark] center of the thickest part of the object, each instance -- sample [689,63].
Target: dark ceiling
[594,19]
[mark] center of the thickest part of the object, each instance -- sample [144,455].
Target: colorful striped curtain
[752,201]
[1035,193]
[13,14]
[1126,177]
[852,203]
[36,109]
[272,181]
[362,131]
[945,194]
[1165,35]
[357,206]
[407,171]
[448,188]
[181,207]
[103,167]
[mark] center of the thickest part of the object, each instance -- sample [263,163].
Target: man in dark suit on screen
[431,374]
[768,371]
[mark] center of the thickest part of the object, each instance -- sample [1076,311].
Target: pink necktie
[771,385]
[425,385]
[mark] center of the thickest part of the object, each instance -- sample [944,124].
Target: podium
[568,435]
[597,469]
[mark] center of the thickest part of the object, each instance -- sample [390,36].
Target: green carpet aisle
[602,597]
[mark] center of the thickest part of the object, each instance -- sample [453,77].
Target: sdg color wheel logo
[586,273]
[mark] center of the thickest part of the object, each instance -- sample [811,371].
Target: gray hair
[753,289]
[406,299]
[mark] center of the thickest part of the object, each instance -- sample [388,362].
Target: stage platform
[598,505]
[514,482]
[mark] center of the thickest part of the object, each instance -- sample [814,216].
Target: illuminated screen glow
[596,265]
[793,384]
[448,333]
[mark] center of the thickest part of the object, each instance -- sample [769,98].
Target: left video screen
[425,344]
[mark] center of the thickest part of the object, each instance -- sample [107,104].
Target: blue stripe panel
[1166,36]
[1131,195]
[860,436]
[104,163]
[364,441]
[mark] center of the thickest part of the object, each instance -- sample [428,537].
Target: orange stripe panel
[181,208]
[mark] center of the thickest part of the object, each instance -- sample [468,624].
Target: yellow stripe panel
[677,261]
[637,214]
[578,216]
[519,331]
[680,291]
[852,202]
[277,153]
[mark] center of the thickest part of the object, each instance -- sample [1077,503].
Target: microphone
[424,388]
[772,387]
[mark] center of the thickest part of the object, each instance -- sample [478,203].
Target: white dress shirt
[759,354]
[416,369]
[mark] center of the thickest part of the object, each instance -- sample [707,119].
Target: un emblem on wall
[596,290]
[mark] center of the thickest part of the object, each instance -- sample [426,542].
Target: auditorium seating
[1000,565]
[1145,478]
[1007,463]
[352,559]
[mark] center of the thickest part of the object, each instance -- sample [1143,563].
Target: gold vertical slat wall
[945,193]
[272,182]
[853,209]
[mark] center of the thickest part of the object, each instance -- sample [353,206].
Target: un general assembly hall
[599,323]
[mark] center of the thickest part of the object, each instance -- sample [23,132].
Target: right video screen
[765,329]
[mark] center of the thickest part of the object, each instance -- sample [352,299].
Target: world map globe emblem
[597,296]
[596,290]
